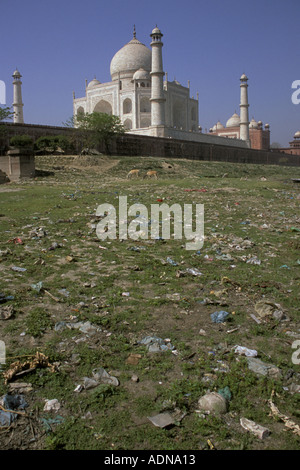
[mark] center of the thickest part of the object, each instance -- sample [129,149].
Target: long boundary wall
[134,145]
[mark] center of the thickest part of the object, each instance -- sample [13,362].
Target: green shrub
[21,141]
[52,143]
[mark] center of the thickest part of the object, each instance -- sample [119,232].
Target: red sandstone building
[259,137]
[294,148]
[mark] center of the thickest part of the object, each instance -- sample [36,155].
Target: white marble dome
[297,135]
[141,74]
[234,121]
[93,83]
[253,124]
[130,58]
[218,126]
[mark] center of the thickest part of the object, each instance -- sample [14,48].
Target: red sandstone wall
[133,145]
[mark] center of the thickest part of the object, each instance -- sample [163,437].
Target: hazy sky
[58,44]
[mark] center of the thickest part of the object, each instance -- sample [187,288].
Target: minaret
[17,104]
[157,80]
[244,113]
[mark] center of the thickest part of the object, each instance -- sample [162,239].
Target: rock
[213,403]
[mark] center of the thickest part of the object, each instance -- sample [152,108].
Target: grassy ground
[128,290]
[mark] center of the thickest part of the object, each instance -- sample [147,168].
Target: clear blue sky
[57,44]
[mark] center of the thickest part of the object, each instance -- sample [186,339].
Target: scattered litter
[261,368]
[225,257]
[295,428]
[18,368]
[266,308]
[52,405]
[254,260]
[255,318]
[9,404]
[161,420]
[20,387]
[17,241]
[172,262]
[194,271]
[155,344]
[54,246]
[100,376]
[18,269]
[219,317]
[225,392]
[104,377]
[6,312]
[85,327]
[47,422]
[256,429]
[243,351]
[175,296]
[64,292]
[138,249]
[37,287]
[133,359]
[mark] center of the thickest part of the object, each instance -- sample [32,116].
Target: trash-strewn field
[143,344]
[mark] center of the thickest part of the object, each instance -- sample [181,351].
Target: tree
[275,145]
[5,113]
[99,128]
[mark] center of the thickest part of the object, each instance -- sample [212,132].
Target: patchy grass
[128,290]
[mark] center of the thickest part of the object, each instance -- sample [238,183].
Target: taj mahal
[138,93]
[147,103]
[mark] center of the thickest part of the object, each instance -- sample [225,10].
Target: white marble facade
[133,92]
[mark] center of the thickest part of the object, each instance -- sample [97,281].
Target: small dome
[17,74]
[244,77]
[253,124]
[218,126]
[297,135]
[234,121]
[93,83]
[156,30]
[267,126]
[141,74]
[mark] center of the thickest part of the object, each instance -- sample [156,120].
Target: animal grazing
[133,173]
[151,174]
